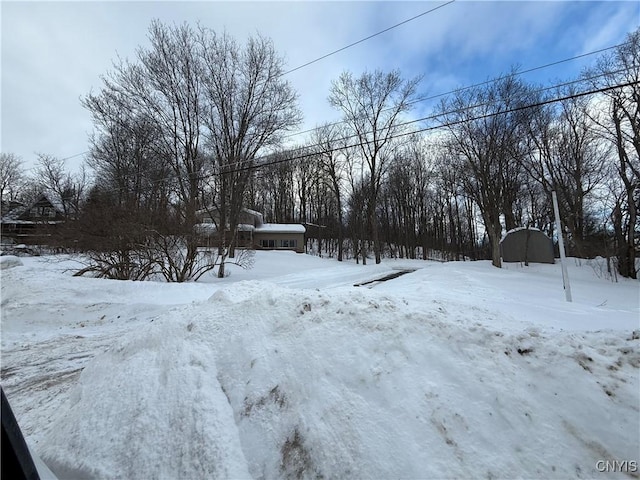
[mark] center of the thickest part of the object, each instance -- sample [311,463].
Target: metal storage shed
[526,244]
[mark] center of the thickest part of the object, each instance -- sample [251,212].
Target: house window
[42,211]
[288,243]
[267,243]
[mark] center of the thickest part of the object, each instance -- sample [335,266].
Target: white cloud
[54,53]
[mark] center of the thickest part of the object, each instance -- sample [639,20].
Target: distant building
[35,222]
[253,232]
[526,245]
[6,207]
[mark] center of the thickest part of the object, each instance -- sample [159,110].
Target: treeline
[199,122]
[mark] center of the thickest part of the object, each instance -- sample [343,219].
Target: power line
[367,38]
[432,97]
[76,155]
[419,99]
[475,85]
[431,128]
[534,92]
[516,74]
[339,50]
[308,154]
[467,107]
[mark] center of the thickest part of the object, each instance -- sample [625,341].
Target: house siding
[279,240]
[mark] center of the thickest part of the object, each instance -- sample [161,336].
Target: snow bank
[9,261]
[150,407]
[267,382]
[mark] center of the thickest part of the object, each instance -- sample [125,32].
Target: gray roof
[14,215]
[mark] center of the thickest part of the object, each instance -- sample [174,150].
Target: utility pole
[563,260]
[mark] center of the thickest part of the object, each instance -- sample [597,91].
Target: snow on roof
[517,229]
[55,201]
[12,215]
[205,228]
[280,228]
[252,212]
[31,222]
[208,228]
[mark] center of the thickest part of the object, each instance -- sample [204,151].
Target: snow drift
[9,261]
[150,407]
[267,382]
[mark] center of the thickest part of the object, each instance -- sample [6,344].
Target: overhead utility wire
[469,87]
[307,148]
[257,166]
[420,99]
[431,128]
[334,52]
[466,108]
[367,38]
[485,104]
[516,74]
[76,155]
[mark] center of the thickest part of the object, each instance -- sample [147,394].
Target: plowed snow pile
[264,381]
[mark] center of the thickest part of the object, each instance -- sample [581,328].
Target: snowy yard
[455,370]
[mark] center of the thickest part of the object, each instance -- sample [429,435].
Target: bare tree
[620,124]
[274,188]
[193,106]
[113,235]
[11,175]
[372,106]
[566,154]
[247,107]
[65,188]
[328,140]
[148,115]
[483,128]
[357,209]
[127,153]
[164,87]
[407,199]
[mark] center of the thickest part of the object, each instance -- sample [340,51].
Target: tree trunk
[494,231]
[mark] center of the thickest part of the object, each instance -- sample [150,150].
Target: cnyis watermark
[621,466]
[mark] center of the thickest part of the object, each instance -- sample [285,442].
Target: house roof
[280,228]
[205,228]
[214,209]
[259,227]
[14,215]
[54,201]
[210,228]
[258,215]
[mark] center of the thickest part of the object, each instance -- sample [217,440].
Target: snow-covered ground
[287,370]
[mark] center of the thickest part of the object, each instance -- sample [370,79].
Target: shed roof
[517,229]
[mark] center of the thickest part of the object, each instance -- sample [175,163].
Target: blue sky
[53,53]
